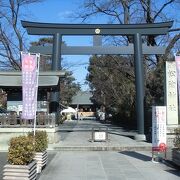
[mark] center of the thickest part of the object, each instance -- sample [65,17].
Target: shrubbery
[40,141]
[21,150]
[177,138]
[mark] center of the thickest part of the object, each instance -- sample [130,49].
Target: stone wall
[7,133]
[171,135]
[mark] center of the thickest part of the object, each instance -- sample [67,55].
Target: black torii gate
[135,30]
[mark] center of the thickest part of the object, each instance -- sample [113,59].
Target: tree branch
[173,30]
[171,45]
[161,9]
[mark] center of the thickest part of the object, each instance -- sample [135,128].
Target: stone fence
[13,120]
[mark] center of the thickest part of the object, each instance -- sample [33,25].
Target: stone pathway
[107,166]
[67,163]
[76,135]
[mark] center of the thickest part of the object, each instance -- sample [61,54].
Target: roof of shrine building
[14,79]
[82,97]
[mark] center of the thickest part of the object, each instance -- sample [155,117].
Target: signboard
[159,128]
[29,85]
[171,93]
[99,136]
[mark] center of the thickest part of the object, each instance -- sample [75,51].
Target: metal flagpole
[36,95]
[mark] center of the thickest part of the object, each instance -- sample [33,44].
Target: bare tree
[117,85]
[135,11]
[11,33]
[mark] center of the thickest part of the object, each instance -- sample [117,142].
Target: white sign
[171,93]
[158,128]
[99,136]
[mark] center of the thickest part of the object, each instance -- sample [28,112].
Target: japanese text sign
[29,85]
[171,93]
[177,59]
[159,128]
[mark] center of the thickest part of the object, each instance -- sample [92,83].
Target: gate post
[56,66]
[139,80]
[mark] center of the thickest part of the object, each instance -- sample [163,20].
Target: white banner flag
[159,128]
[177,59]
[29,85]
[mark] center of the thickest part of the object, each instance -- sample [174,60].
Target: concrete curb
[102,148]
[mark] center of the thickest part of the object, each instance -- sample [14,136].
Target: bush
[177,138]
[41,140]
[21,150]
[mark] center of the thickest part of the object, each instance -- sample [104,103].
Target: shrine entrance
[99,30]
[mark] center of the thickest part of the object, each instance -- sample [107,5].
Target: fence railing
[13,120]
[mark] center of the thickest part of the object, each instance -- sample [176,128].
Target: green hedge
[177,138]
[40,141]
[21,150]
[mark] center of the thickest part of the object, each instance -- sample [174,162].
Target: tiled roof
[82,97]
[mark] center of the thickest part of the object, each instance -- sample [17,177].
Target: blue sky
[57,11]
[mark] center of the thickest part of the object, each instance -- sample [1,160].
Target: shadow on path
[136,155]
[120,134]
[174,171]
[51,156]
[3,161]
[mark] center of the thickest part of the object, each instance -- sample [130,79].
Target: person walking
[81,117]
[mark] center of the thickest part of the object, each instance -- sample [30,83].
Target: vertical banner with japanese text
[177,59]
[29,85]
[171,93]
[159,128]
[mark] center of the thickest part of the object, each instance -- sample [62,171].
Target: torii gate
[135,30]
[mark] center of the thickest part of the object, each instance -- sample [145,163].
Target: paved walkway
[3,160]
[76,135]
[84,164]
[107,165]
[103,165]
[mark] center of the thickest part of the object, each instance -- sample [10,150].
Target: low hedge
[21,150]
[40,140]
